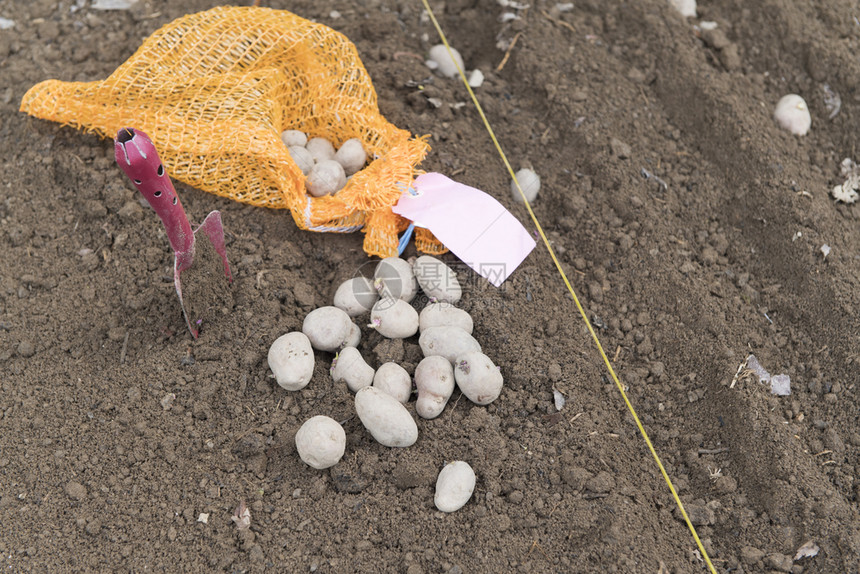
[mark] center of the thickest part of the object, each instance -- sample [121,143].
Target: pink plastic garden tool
[137,157]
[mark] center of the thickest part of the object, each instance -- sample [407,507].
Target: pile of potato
[452,357]
[326,170]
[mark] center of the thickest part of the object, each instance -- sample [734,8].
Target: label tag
[472,224]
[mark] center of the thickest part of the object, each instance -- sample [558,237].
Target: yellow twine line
[573,294]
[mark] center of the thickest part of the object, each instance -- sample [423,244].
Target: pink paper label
[472,224]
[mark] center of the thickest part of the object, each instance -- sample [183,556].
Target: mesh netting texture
[214,91]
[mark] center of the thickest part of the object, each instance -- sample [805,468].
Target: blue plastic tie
[404,239]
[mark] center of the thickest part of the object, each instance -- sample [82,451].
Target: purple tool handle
[136,156]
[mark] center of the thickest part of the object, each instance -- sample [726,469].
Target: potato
[437,280]
[349,367]
[328,328]
[302,158]
[321,149]
[454,486]
[354,337]
[446,64]
[356,296]
[393,379]
[291,359]
[325,178]
[393,277]
[792,114]
[434,378]
[530,184]
[478,378]
[351,156]
[385,418]
[321,442]
[444,315]
[294,138]
[394,318]
[448,342]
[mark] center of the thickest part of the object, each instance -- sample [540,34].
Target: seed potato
[328,328]
[291,359]
[385,418]
[448,342]
[478,378]
[454,486]
[321,442]
[351,156]
[444,315]
[394,277]
[320,148]
[437,280]
[530,184]
[356,296]
[292,138]
[325,178]
[434,378]
[394,318]
[303,158]
[349,367]
[393,379]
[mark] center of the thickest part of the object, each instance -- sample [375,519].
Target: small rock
[576,477]
[751,555]
[779,562]
[699,514]
[76,490]
[726,485]
[602,483]
[94,527]
[620,149]
[256,553]
[346,482]
[26,349]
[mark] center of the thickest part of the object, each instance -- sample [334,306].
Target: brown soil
[117,430]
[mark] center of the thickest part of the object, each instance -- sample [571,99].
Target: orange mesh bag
[214,91]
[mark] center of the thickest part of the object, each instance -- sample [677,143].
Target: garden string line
[573,294]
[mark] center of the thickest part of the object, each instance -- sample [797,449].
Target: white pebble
[328,328]
[394,318]
[393,379]
[325,178]
[320,148]
[437,280]
[356,296]
[455,486]
[478,378]
[303,159]
[349,367]
[686,8]
[445,64]
[394,277]
[792,114]
[294,138]
[321,442]
[476,79]
[291,359]
[444,315]
[530,184]
[385,418]
[448,342]
[351,156]
[434,378]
